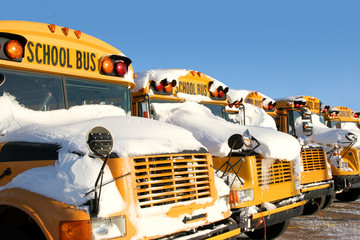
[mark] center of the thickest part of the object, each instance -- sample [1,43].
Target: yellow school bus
[255,190]
[316,179]
[347,174]
[49,67]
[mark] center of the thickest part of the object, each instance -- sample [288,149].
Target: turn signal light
[75,230]
[215,93]
[13,49]
[168,88]
[107,66]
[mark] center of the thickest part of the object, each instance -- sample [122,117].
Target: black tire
[272,231]
[13,234]
[349,196]
[328,201]
[312,206]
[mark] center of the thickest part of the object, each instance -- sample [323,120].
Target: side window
[37,92]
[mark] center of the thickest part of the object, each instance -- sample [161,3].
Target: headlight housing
[239,196]
[109,227]
[247,138]
[303,140]
[337,144]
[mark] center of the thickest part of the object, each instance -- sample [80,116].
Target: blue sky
[279,47]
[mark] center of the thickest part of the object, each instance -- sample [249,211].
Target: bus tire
[272,231]
[349,196]
[312,206]
[13,234]
[328,201]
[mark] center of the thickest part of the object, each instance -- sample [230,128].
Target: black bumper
[216,229]
[319,192]
[249,224]
[346,182]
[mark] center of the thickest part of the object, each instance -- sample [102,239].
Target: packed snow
[200,121]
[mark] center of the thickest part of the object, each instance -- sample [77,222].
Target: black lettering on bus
[29,46]
[78,59]
[93,65]
[38,45]
[62,57]
[46,54]
[54,56]
[68,58]
[86,60]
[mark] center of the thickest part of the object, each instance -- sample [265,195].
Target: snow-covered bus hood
[69,128]
[75,172]
[213,132]
[328,136]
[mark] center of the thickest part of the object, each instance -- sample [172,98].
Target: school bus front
[48,67]
[251,186]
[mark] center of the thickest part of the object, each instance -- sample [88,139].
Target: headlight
[247,138]
[337,144]
[297,184]
[303,140]
[109,227]
[238,196]
[343,165]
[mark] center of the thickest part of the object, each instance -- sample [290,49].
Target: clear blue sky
[277,47]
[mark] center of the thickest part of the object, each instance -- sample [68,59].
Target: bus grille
[163,180]
[279,172]
[313,159]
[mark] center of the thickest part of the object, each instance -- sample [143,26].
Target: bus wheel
[349,196]
[312,206]
[13,234]
[272,231]
[328,201]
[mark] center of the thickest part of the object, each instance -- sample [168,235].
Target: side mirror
[351,137]
[2,79]
[305,113]
[100,141]
[307,128]
[235,141]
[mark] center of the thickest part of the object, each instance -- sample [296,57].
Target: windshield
[293,122]
[217,110]
[45,92]
[321,117]
[142,108]
[80,92]
[342,125]
[233,117]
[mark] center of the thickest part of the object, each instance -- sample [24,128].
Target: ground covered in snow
[339,221]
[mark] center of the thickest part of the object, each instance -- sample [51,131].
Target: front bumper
[317,191]
[216,231]
[346,182]
[271,217]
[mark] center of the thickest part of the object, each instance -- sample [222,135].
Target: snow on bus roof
[237,95]
[157,75]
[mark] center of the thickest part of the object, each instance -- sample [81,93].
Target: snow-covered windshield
[45,92]
[342,125]
[217,110]
[233,117]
